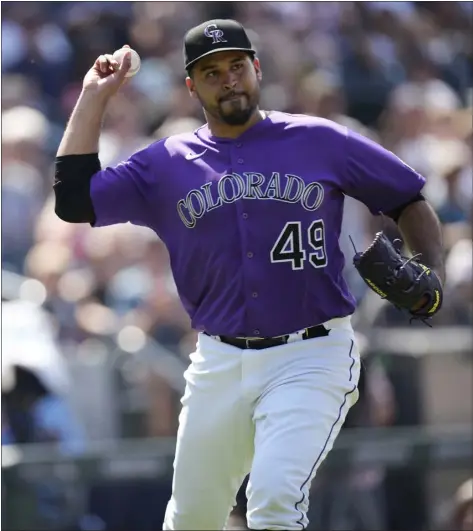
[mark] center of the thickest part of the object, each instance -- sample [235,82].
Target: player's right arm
[84,192]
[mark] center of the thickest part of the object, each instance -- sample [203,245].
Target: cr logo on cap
[215,34]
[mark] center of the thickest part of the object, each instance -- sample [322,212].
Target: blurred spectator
[459,284]
[33,414]
[462,510]
[455,512]
[24,139]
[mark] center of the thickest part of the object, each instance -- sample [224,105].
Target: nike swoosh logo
[192,156]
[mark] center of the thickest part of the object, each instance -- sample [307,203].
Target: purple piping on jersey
[328,438]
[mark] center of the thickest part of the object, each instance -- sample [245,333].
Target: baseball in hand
[135,60]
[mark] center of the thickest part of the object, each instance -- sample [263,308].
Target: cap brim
[231,49]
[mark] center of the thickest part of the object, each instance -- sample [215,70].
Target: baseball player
[249,207]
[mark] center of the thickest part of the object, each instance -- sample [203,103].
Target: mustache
[231,95]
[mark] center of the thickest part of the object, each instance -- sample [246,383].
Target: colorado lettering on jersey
[251,185]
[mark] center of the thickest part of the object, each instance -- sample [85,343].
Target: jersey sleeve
[121,194]
[377,177]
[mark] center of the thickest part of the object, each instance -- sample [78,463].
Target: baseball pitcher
[250,207]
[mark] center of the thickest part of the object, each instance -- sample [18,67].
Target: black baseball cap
[215,36]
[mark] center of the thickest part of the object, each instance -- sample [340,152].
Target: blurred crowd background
[94,337]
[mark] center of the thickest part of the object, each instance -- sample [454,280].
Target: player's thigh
[215,438]
[213,451]
[297,421]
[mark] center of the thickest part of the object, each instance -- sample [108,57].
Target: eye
[237,66]
[211,74]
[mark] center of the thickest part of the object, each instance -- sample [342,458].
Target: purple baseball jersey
[252,224]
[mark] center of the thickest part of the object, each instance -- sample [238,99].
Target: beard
[234,109]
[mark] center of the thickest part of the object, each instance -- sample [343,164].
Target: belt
[268,342]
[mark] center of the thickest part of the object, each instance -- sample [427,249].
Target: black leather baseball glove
[405,282]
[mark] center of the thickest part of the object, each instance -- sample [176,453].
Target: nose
[230,81]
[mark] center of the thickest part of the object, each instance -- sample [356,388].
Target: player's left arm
[385,184]
[421,229]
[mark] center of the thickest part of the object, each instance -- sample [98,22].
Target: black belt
[268,342]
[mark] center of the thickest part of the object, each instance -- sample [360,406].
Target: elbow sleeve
[72,187]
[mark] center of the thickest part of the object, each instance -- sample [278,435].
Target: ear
[259,73]
[191,87]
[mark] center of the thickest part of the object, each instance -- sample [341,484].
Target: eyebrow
[214,65]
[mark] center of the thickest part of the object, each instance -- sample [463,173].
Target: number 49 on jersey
[289,246]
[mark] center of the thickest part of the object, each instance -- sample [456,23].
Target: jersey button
[256,332]
[238,144]
[245,215]
[240,161]
[249,255]
[254,295]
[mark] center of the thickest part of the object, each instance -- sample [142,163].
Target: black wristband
[72,187]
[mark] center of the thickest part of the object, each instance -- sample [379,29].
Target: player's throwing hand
[107,76]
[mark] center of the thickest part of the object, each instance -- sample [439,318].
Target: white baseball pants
[274,413]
